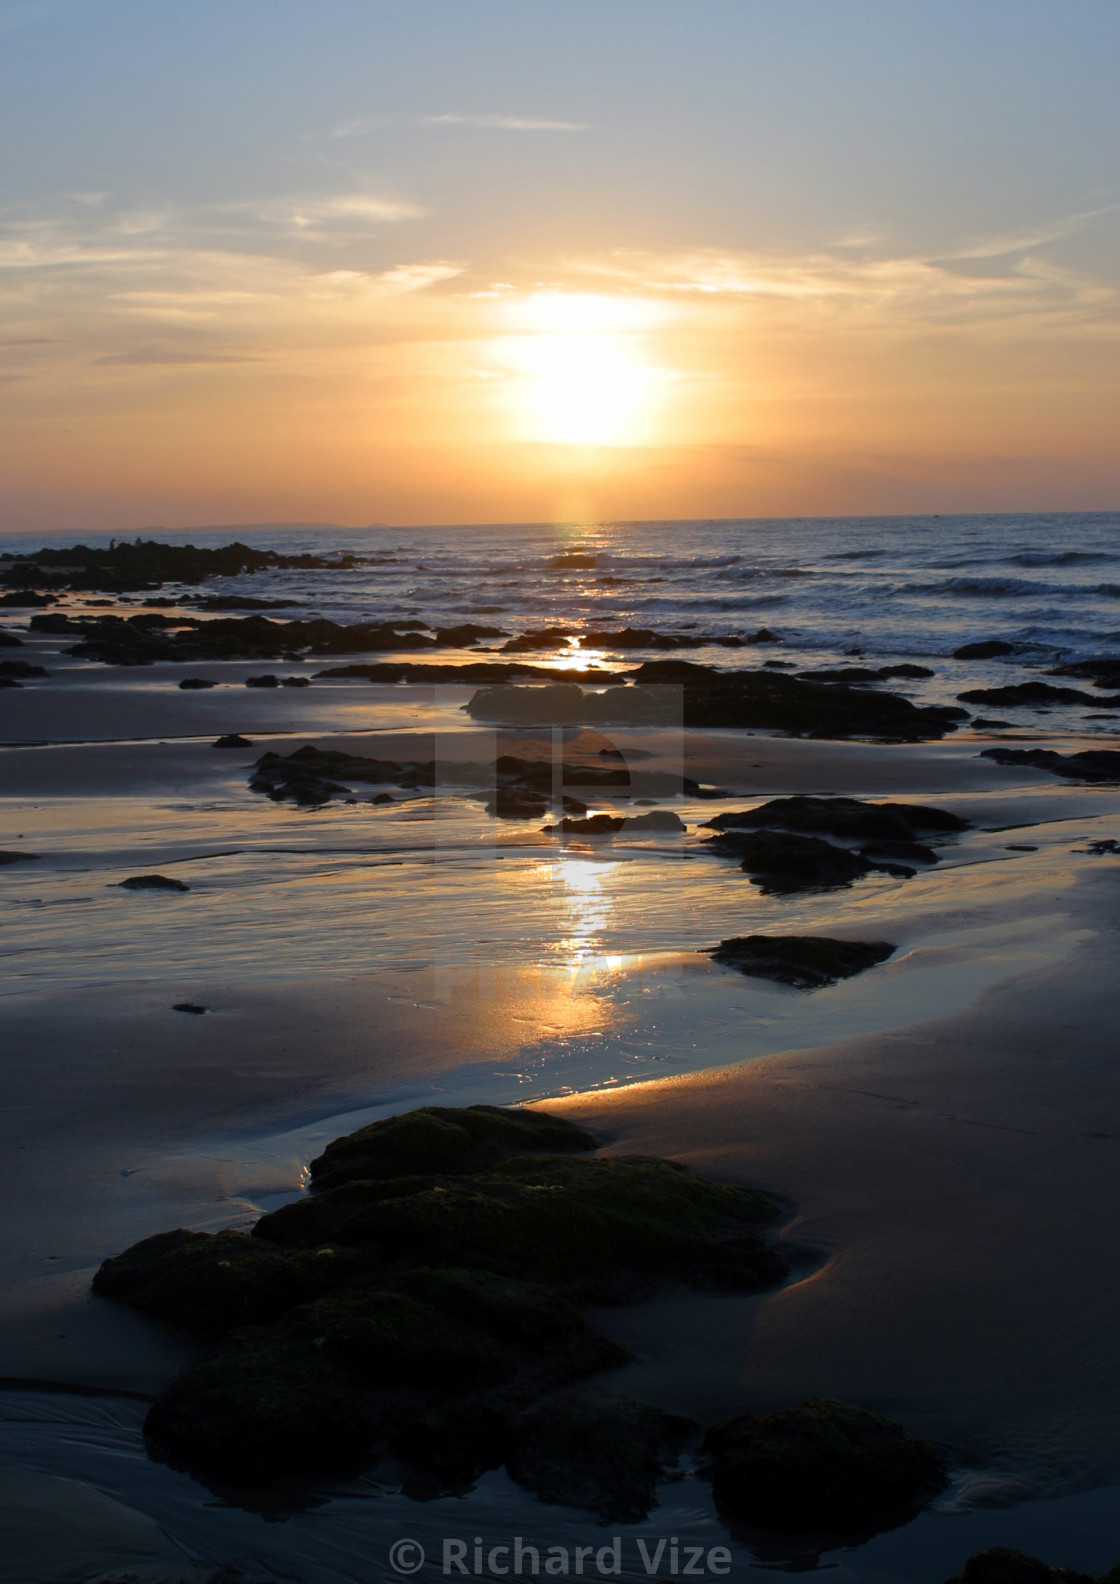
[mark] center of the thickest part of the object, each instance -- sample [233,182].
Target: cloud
[1030,236]
[359,126]
[500,123]
[151,356]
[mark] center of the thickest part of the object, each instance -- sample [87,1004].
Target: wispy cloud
[152,356]
[502,123]
[1029,236]
[361,126]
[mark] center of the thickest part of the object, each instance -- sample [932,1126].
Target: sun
[578,369]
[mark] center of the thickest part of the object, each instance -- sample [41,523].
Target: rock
[22,599]
[9,682]
[999,1565]
[597,825]
[1019,847]
[297,681]
[655,820]
[906,852]
[442,1139]
[307,775]
[1031,694]
[145,564]
[1101,849]
[780,862]
[822,1466]
[152,882]
[906,670]
[844,817]
[598,1452]
[1105,670]
[267,681]
[21,668]
[679,692]
[380,798]
[234,740]
[986,649]
[209,1283]
[16,857]
[189,1006]
[196,684]
[9,640]
[595,1226]
[417,1333]
[808,962]
[1094,764]
[980,724]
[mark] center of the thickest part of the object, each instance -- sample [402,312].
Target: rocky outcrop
[151,882]
[1094,764]
[1034,694]
[822,1466]
[807,962]
[424,1301]
[678,692]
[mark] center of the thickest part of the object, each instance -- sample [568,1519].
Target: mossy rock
[209,1283]
[822,1466]
[599,1452]
[1000,1565]
[439,1139]
[554,1220]
[266,1405]
[426,1313]
[364,1364]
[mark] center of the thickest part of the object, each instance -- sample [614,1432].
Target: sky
[550,260]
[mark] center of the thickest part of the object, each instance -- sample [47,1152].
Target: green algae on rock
[602,1453]
[447,1306]
[822,1466]
[443,1139]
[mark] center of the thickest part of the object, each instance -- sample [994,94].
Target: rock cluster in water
[425,1298]
[777,845]
[682,693]
[1094,764]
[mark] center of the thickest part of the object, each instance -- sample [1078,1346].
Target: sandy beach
[946,1127]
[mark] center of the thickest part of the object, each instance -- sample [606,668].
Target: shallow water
[355,960]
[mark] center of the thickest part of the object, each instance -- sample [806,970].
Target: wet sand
[948,1126]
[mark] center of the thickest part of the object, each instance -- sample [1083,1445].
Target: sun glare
[579,369]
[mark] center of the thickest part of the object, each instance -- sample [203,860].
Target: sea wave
[990,588]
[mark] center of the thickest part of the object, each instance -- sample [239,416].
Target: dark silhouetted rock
[999,1565]
[196,684]
[152,882]
[297,681]
[598,1452]
[1094,764]
[1105,671]
[267,681]
[189,1006]
[234,740]
[848,818]
[986,649]
[444,1140]
[808,962]
[420,1304]
[823,1466]
[9,640]
[16,857]
[1030,694]
[9,682]
[21,668]
[782,862]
